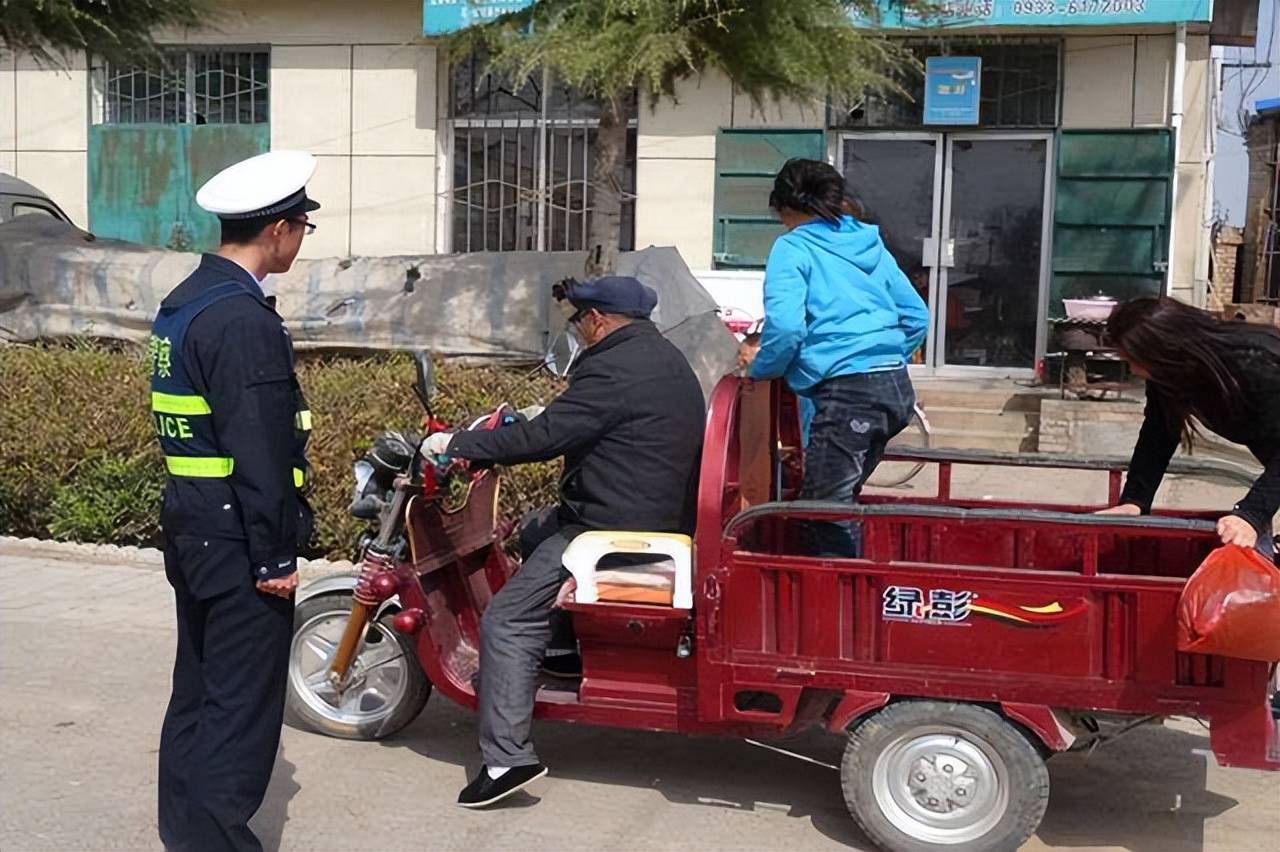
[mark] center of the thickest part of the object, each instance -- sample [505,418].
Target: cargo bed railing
[1116,466]
[807,510]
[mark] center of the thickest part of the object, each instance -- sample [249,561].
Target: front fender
[342,583]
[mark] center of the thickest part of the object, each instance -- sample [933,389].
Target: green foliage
[800,50]
[117,30]
[109,499]
[78,459]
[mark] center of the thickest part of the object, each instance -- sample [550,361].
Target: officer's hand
[282,587]
[436,445]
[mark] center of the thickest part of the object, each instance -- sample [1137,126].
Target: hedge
[79,461]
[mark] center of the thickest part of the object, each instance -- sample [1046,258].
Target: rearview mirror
[561,354]
[424,385]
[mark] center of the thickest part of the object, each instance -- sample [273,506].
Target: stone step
[963,419]
[974,439]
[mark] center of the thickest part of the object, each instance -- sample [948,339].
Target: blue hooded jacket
[836,304]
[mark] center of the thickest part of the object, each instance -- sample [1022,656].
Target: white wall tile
[52,105]
[1097,84]
[311,98]
[393,205]
[61,175]
[674,207]
[394,100]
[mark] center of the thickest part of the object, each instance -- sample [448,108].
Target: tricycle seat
[665,578]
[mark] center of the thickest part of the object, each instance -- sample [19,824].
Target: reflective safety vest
[182,417]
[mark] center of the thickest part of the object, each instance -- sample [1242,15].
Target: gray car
[19,198]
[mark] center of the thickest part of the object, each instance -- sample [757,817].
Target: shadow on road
[268,823]
[1145,792]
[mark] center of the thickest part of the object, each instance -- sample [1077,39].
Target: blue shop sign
[446,16]
[952,89]
[1043,13]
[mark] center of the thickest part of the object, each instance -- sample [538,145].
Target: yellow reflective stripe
[298,477]
[302,420]
[203,466]
[172,403]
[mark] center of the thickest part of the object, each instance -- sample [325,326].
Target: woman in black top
[1226,375]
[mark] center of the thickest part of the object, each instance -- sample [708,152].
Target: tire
[388,688]
[899,772]
[891,474]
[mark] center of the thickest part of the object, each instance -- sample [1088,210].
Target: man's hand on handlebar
[436,446]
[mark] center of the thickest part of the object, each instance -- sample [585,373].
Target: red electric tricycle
[973,640]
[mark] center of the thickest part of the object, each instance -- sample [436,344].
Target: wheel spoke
[321,647]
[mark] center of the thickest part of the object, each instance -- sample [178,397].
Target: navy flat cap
[614,294]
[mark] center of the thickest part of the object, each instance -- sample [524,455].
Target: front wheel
[926,776]
[386,688]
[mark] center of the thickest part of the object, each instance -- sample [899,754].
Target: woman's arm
[1156,445]
[913,313]
[785,291]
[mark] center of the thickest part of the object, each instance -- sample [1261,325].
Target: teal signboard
[1047,13]
[445,16]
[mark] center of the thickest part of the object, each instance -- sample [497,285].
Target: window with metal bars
[1020,85]
[203,86]
[522,160]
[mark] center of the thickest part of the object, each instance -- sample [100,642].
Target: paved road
[86,650]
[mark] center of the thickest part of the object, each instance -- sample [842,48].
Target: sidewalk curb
[144,558]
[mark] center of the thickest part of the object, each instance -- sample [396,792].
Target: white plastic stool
[585,552]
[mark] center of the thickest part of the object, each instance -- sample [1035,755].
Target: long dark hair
[1190,354]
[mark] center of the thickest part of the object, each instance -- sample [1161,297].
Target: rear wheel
[925,776]
[385,690]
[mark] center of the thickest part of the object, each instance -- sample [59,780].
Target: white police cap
[266,185]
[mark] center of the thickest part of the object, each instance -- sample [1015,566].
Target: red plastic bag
[1231,607]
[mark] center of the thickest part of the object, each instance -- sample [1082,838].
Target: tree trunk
[607,171]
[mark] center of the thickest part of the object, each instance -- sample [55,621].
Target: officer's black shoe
[567,666]
[1275,706]
[484,791]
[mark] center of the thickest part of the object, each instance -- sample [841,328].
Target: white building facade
[1088,168]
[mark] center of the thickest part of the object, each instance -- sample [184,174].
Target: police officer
[233,427]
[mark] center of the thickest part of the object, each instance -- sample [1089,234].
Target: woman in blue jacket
[841,323]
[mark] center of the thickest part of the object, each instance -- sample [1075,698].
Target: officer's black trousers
[222,728]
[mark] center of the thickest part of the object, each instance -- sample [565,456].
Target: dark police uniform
[233,425]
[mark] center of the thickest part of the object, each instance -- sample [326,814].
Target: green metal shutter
[1111,214]
[746,161]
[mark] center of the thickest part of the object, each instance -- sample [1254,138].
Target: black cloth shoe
[484,791]
[567,666]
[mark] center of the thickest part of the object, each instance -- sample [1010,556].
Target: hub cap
[941,786]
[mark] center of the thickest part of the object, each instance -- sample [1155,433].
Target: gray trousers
[515,631]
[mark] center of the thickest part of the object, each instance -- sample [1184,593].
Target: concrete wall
[1112,81]
[1095,95]
[676,155]
[346,84]
[44,127]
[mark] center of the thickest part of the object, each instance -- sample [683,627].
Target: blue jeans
[854,419]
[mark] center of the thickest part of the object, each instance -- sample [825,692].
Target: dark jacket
[630,430]
[241,361]
[1256,426]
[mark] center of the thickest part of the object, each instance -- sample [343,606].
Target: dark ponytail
[812,187]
